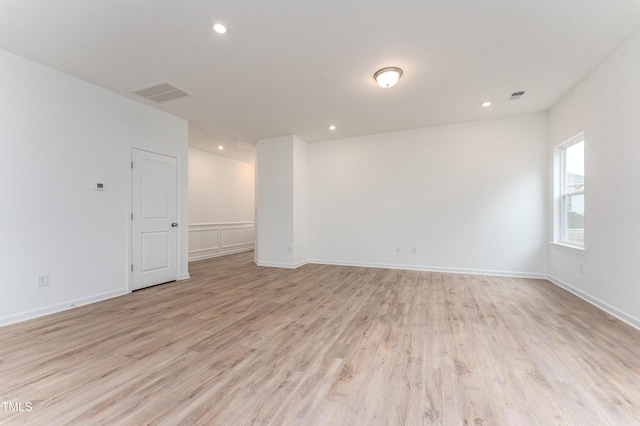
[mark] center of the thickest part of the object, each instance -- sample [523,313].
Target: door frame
[180,274]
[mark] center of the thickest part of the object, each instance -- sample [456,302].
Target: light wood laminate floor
[239,344]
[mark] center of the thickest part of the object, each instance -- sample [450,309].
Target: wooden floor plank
[322,344]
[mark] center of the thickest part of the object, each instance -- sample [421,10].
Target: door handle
[173,225]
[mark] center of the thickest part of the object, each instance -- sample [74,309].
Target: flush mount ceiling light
[219,28]
[486,104]
[332,127]
[387,77]
[220,147]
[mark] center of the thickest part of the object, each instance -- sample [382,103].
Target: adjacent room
[291,213]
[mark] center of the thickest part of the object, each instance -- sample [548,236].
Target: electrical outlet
[414,251]
[289,249]
[582,268]
[43,280]
[397,250]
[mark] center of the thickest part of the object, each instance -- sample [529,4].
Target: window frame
[564,195]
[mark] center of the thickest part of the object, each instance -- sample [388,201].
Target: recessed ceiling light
[220,147]
[219,28]
[388,77]
[332,127]
[486,104]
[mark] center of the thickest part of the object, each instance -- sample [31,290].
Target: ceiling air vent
[162,91]
[516,95]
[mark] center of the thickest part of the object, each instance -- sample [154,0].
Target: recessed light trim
[486,104]
[219,28]
[387,77]
[220,147]
[332,127]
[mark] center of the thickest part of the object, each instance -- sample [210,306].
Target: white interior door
[154,227]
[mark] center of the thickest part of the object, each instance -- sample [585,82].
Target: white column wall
[300,201]
[274,186]
[282,206]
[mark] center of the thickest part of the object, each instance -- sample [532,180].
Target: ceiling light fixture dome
[220,28]
[388,77]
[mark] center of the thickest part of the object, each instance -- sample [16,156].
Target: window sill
[571,249]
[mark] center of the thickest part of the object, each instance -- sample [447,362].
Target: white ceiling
[296,66]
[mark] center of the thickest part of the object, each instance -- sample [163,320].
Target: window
[571,198]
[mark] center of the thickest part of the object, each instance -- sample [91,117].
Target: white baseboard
[622,316]
[513,274]
[36,313]
[280,265]
[534,275]
[184,276]
[218,254]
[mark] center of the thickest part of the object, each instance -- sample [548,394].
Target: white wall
[274,186]
[58,134]
[300,201]
[282,202]
[221,205]
[468,197]
[605,106]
